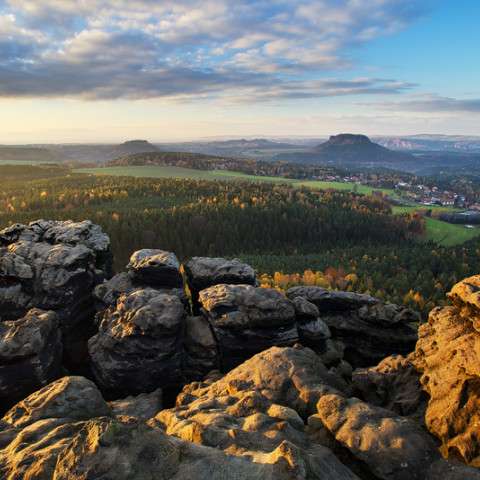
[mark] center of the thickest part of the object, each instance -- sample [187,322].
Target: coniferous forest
[290,235]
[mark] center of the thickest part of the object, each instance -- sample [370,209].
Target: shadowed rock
[204,272]
[155,268]
[393,384]
[30,355]
[138,346]
[247,320]
[369,329]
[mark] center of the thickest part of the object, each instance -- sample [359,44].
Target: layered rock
[448,357]
[138,346]
[147,268]
[247,320]
[205,272]
[54,265]
[156,268]
[30,355]
[369,329]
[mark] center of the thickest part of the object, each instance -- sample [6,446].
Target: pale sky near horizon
[112,70]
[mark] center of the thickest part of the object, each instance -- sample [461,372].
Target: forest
[290,235]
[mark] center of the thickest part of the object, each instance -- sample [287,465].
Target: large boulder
[448,357]
[204,272]
[156,268]
[370,329]
[256,412]
[30,355]
[247,320]
[392,447]
[138,346]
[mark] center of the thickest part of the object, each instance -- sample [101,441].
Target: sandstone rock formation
[369,329]
[155,268]
[448,356]
[275,378]
[54,265]
[204,272]
[30,355]
[138,346]
[247,320]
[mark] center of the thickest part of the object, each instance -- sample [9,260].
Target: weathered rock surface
[138,346]
[143,406]
[393,384]
[156,268]
[448,357]
[201,352]
[54,265]
[247,320]
[369,329]
[30,355]
[393,447]
[204,272]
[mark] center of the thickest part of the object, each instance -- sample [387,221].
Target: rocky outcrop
[138,346]
[30,355]
[247,320]
[392,447]
[393,384]
[205,272]
[369,329]
[448,357]
[54,265]
[156,268]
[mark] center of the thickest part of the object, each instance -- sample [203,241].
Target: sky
[107,71]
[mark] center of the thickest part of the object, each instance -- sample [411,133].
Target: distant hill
[349,149]
[27,153]
[161,158]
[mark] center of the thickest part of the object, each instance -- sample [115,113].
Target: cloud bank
[241,50]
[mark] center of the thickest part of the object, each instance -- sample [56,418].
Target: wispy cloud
[257,50]
[434,104]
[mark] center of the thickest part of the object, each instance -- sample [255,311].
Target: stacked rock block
[48,270]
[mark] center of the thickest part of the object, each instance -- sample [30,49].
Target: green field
[152,171]
[448,234]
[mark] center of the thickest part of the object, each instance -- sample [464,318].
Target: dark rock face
[247,320]
[30,355]
[143,406]
[393,384]
[155,268]
[54,266]
[369,329]
[448,357]
[138,346]
[204,272]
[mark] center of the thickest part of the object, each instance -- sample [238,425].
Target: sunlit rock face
[448,357]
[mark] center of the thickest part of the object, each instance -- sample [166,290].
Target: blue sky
[91,70]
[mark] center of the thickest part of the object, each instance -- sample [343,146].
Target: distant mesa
[348,148]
